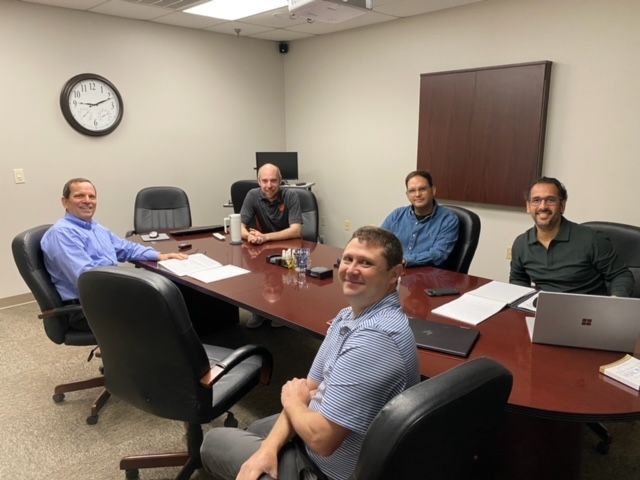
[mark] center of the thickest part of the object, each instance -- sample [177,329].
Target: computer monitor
[287,162]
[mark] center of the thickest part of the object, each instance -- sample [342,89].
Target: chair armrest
[66,310]
[221,368]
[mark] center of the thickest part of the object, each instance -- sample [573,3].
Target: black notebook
[195,230]
[442,337]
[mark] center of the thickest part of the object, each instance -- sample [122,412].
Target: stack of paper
[202,268]
[626,370]
[477,305]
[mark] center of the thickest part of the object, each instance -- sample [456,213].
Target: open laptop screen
[587,321]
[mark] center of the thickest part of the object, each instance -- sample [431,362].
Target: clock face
[91,104]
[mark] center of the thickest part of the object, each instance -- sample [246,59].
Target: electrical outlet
[508,256]
[347,225]
[18,175]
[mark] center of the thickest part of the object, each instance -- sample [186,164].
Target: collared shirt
[425,242]
[363,362]
[578,260]
[270,215]
[72,246]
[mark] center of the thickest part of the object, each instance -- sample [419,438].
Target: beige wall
[198,105]
[352,108]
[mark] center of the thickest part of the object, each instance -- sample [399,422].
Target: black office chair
[439,427]
[626,242]
[468,235]
[239,190]
[160,208]
[171,373]
[308,206]
[310,216]
[28,257]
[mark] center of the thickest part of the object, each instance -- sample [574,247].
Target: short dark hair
[66,190]
[419,173]
[562,191]
[391,246]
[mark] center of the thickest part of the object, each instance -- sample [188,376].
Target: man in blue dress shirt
[77,243]
[428,232]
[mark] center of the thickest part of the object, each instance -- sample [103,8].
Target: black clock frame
[66,111]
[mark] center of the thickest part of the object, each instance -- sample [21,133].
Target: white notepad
[477,305]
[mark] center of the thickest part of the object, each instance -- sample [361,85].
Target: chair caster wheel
[133,474]
[603,447]
[58,397]
[92,419]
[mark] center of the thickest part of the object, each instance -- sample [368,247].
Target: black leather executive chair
[171,374]
[160,208]
[30,262]
[310,217]
[626,242]
[438,428]
[239,190]
[308,206]
[468,235]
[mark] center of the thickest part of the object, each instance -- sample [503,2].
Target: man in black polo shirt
[269,213]
[561,256]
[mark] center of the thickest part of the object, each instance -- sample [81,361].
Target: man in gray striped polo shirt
[367,358]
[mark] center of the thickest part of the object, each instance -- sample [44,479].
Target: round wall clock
[91,104]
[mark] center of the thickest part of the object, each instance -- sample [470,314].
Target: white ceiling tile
[318,28]
[188,20]
[121,8]
[279,18]
[76,4]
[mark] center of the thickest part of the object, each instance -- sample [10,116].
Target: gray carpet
[44,440]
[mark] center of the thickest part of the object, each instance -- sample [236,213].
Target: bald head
[269,178]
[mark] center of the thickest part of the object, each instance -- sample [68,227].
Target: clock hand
[101,101]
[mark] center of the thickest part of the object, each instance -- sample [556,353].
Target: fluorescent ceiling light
[235,9]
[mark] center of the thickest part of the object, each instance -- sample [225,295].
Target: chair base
[605,437]
[97,406]
[190,461]
[133,463]
[60,390]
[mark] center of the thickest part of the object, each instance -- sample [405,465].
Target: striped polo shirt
[362,363]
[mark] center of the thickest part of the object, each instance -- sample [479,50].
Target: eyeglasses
[551,201]
[413,191]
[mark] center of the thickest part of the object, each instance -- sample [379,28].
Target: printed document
[202,268]
[220,273]
[477,305]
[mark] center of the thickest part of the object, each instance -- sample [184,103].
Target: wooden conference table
[555,389]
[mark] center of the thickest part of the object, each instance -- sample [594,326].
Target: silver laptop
[586,321]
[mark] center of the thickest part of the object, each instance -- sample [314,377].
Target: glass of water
[302,259]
